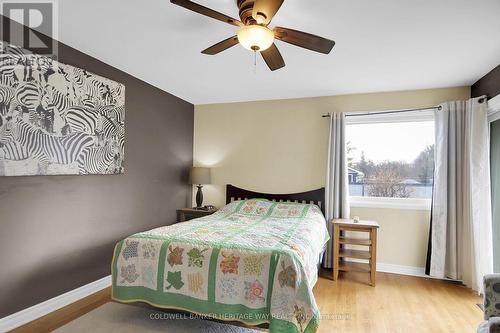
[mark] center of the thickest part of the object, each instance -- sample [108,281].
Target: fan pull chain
[255,62]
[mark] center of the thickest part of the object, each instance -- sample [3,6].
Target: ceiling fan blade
[304,39]
[264,10]
[221,46]
[206,11]
[273,58]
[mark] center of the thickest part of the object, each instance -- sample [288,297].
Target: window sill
[391,203]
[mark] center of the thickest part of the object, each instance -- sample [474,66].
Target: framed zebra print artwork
[56,119]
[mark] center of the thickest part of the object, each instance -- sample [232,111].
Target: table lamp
[199,176]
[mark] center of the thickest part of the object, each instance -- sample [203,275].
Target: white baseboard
[396,269]
[402,270]
[39,310]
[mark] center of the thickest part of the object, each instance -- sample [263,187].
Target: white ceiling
[383,45]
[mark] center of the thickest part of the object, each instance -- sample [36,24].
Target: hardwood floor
[397,304]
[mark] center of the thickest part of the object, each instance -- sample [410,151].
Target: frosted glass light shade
[255,37]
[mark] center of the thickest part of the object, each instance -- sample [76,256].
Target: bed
[254,261]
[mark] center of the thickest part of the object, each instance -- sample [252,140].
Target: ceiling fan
[254,33]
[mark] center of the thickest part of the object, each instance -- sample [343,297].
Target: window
[391,160]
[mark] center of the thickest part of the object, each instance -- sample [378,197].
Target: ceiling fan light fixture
[255,17]
[256,37]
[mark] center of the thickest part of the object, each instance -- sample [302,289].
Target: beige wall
[280,146]
[403,234]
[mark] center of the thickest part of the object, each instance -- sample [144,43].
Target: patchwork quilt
[253,261]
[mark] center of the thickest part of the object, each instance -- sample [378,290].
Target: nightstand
[340,253]
[186,214]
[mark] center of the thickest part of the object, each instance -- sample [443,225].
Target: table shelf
[355,254]
[340,226]
[355,241]
[349,266]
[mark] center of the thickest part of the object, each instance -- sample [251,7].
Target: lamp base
[199,197]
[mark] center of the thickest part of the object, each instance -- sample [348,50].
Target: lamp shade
[199,175]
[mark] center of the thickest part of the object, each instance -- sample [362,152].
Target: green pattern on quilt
[175,280]
[211,275]
[161,266]
[196,257]
[253,261]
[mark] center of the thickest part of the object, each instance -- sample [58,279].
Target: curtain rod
[357,114]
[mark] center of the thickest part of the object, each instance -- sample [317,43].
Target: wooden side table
[340,253]
[186,214]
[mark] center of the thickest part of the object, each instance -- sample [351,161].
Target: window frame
[494,109]
[382,202]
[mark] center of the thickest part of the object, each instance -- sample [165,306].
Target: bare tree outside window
[388,183]
[397,175]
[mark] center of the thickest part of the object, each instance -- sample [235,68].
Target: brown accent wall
[57,232]
[488,85]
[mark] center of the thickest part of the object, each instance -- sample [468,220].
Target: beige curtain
[461,235]
[337,190]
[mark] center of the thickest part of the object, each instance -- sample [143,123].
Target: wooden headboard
[316,197]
